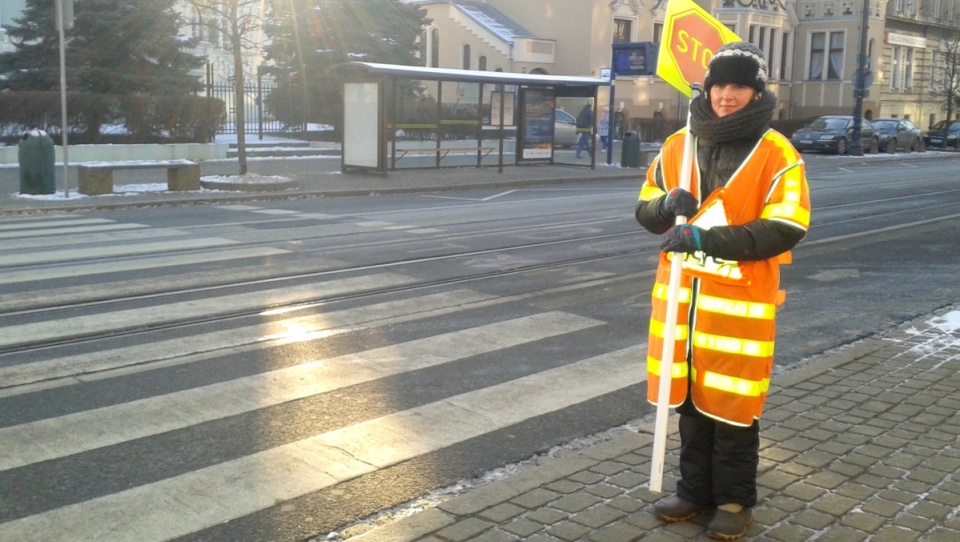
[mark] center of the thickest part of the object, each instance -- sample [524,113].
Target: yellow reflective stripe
[783,144]
[677,370]
[790,208]
[732,307]
[680,333]
[650,192]
[733,345]
[661,290]
[791,212]
[734,385]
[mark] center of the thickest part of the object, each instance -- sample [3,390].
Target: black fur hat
[739,62]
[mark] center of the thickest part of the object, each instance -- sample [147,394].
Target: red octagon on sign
[693,41]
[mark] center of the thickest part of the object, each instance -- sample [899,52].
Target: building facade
[811,48]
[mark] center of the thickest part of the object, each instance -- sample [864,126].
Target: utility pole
[64,20]
[856,148]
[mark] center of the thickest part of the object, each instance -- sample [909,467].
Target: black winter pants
[718,461]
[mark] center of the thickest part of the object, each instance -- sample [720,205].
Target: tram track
[230,315]
[49,309]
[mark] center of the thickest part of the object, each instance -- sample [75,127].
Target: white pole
[670,326]
[63,97]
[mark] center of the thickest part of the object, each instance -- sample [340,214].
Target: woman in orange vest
[748,205]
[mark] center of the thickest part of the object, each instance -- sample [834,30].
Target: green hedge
[144,119]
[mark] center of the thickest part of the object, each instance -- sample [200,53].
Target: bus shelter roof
[473,76]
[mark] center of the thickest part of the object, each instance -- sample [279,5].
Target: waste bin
[630,150]
[36,157]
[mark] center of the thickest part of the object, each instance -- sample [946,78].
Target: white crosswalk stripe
[178,503]
[181,505]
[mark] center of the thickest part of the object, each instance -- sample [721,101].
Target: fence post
[260,103]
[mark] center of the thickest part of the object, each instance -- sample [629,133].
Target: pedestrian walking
[584,128]
[748,205]
[604,128]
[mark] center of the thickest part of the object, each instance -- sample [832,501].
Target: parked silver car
[565,129]
[898,134]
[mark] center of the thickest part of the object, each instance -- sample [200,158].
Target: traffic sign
[691,38]
[867,80]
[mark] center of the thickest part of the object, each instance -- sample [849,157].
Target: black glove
[678,202]
[682,238]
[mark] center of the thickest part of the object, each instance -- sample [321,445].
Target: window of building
[935,71]
[785,57]
[622,30]
[657,32]
[835,65]
[900,6]
[896,68]
[817,53]
[466,57]
[435,48]
[826,64]
[768,53]
[422,48]
[482,63]
[908,69]
[763,37]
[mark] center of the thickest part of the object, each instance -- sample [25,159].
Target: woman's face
[730,97]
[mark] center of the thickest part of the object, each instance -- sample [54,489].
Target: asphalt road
[276,371]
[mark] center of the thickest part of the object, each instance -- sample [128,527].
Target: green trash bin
[36,158]
[630,150]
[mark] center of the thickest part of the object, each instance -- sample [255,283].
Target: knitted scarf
[724,142]
[747,124]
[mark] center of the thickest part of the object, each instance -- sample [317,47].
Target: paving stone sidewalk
[859,444]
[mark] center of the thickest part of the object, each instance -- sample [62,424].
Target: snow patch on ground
[137,189]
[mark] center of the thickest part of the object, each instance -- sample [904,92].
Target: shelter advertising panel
[361,125]
[537,124]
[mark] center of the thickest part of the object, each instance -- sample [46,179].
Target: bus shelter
[397,116]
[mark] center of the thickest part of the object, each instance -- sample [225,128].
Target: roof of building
[486,16]
[494,21]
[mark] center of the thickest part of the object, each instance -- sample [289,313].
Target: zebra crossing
[168,438]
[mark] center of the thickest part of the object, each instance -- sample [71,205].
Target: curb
[174,199]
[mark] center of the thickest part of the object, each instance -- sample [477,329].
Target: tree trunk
[239,99]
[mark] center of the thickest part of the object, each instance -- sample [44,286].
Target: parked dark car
[832,133]
[944,134]
[898,134]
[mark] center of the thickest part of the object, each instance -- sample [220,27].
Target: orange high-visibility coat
[726,320]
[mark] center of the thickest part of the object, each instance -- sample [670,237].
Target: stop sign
[692,42]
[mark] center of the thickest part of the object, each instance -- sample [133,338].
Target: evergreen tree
[310,36]
[115,47]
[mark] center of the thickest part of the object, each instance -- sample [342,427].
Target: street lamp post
[856,148]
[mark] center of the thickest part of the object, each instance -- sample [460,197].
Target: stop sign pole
[670,321]
[692,36]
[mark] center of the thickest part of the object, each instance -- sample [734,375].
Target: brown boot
[674,509]
[729,525]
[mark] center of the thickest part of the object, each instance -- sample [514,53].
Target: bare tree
[946,87]
[241,20]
